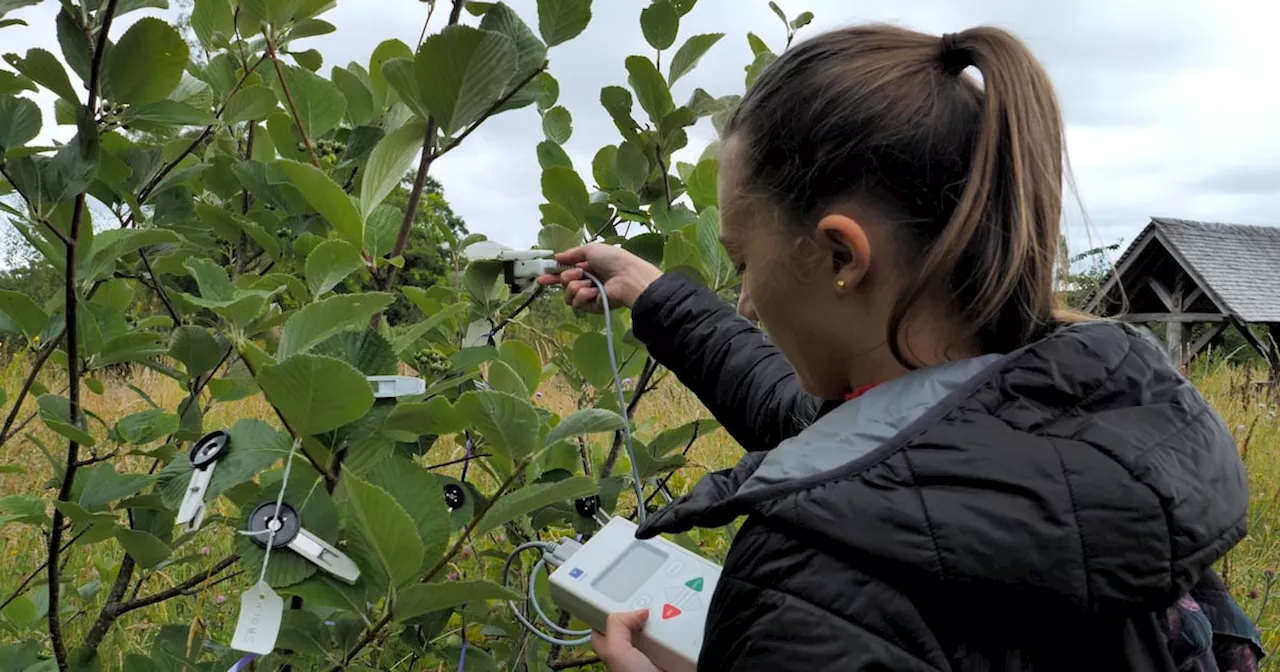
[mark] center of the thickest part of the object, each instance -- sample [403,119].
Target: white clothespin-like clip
[289,532]
[386,387]
[204,455]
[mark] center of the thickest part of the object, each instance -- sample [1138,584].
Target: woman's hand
[614,644]
[625,276]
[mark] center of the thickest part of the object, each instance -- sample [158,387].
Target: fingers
[562,277]
[572,257]
[615,642]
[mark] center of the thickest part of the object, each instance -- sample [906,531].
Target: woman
[945,473]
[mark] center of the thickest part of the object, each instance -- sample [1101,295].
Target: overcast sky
[1171,105]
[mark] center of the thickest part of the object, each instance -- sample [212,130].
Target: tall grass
[1250,410]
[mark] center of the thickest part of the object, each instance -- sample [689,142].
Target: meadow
[1248,570]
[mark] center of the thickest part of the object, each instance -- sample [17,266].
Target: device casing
[677,594]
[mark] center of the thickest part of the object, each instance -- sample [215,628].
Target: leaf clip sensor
[287,525]
[204,456]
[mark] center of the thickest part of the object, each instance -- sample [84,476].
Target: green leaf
[804,19]
[660,24]
[778,10]
[309,59]
[508,423]
[75,165]
[145,548]
[381,229]
[388,163]
[604,167]
[253,447]
[43,68]
[531,498]
[551,154]
[24,312]
[384,52]
[251,103]
[55,412]
[617,102]
[561,186]
[757,44]
[433,416]
[387,529]
[591,357]
[557,125]
[12,84]
[146,64]
[562,20]
[314,505]
[196,348]
[650,87]
[330,263]
[316,394]
[585,421]
[432,597]
[530,52]
[328,199]
[19,122]
[75,44]
[130,347]
[633,166]
[161,114]
[366,350]
[417,490]
[319,103]
[22,613]
[758,66]
[402,77]
[559,238]
[210,20]
[323,319]
[359,97]
[7,6]
[434,321]
[24,509]
[100,485]
[702,184]
[461,71]
[146,426]
[689,53]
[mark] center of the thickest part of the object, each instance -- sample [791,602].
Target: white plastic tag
[261,611]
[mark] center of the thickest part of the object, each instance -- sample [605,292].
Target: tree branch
[572,664]
[330,481]
[177,590]
[164,298]
[98,631]
[642,385]
[49,349]
[491,110]
[288,96]
[73,365]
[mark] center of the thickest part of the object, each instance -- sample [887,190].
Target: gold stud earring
[839,284]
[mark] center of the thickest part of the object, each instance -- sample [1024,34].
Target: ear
[845,241]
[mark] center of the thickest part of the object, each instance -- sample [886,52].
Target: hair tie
[954,59]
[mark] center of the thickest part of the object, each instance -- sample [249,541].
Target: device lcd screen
[629,571]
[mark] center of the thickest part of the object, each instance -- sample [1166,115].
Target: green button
[695,584]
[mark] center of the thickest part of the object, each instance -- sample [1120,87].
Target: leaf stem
[329,480]
[492,110]
[288,96]
[70,301]
[642,386]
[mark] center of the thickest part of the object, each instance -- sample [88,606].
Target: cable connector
[560,553]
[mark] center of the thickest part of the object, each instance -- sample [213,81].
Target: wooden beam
[1192,297]
[1165,296]
[1203,342]
[1251,339]
[1179,318]
[1176,339]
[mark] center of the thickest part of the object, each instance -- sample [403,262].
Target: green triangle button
[695,584]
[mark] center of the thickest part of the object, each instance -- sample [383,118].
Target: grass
[22,548]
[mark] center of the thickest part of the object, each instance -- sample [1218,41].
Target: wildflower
[220,599]
[204,550]
[1253,594]
[467,553]
[453,576]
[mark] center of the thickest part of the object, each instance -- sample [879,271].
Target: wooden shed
[1181,273]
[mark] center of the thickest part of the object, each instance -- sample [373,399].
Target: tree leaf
[100,485]
[561,186]
[524,360]
[702,184]
[633,166]
[7,6]
[55,412]
[328,199]
[660,24]
[320,104]
[388,163]
[559,238]
[461,71]
[253,447]
[324,318]
[585,421]
[650,87]
[359,97]
[330,263]
[146,426]
[427,598]
[402,77]
[384,52]
[74,166]
[420,492]
[591,358]
[778,10]
[557,125]
[146,64]
[316,394]
[433,416]
[309,59]
[197,349]
[437,319]
[387,529]
[366,350]
[604,168]
[617,102]
[24,312]
[131,347]
[509,424]
[24,509]
[160,114]
[531,498]
[20,121]
[804,19]
[75,44]
[251,103]
[551,154]
[562,20]
[530,52]
[689,53]
[211,19]
[314,505]
[145,548]
[381,229]
[43,68]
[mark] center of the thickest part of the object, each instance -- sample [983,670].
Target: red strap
[859,391]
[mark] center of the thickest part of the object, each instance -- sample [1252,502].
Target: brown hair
[971,174]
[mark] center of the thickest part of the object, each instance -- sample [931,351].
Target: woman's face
[789,288]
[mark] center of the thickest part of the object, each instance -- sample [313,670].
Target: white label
[261,611]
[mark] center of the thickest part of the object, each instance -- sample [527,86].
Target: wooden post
[1173,328]
[1273,358]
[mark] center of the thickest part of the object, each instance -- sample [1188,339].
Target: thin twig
[49,349]
[460,460]
[32,207]
[320,469]
[73,366]
[642,386]
[571,664]
[177,590]
[288,96]
[164,298]
[491,110]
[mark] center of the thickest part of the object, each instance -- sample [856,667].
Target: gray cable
[636,483]
[515,609]
[537,607]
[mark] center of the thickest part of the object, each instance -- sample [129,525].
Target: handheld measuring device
[614,571]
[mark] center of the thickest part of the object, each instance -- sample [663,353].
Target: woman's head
[889,211]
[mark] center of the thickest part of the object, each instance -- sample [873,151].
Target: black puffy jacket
[1040,510]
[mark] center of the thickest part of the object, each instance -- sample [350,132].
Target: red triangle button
[669,611]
